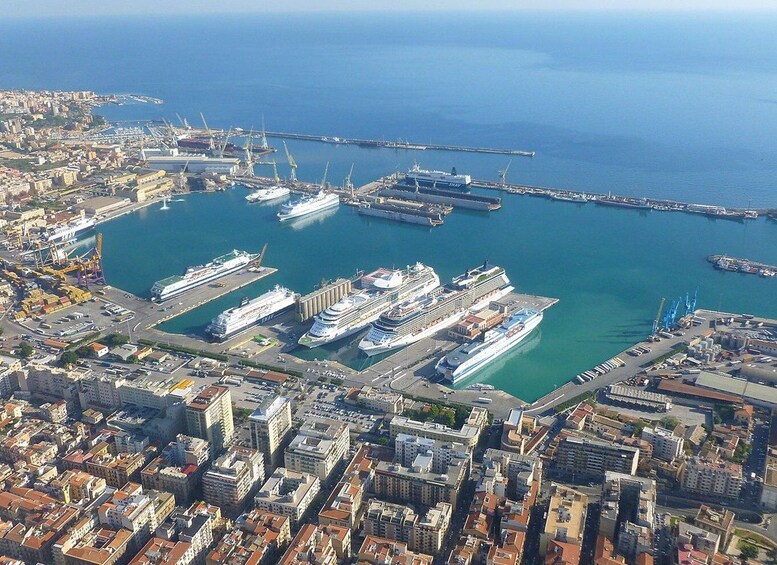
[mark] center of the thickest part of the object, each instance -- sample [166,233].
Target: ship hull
[370,348]
[486,356]
[331,203]
[221,336]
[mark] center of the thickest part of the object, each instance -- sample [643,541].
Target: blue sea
[680,106]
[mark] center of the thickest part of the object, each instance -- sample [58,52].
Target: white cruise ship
[375,293]
[421,317]
[438,179]
[308,204]
[69,231]
[470,357]
[252,312]
[201,274]
[267,194]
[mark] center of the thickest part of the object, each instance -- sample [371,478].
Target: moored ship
[252,312]
[201,274]
[415,319]
[308,204]
[470,357]
[266,194]
[377,292]
[69,231]
[438,179]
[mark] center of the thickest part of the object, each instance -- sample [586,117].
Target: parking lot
[326,401]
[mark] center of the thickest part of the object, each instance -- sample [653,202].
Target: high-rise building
[270,426]
[209,416]
[232,479]
[666,445]
[712,478]
[318,448]
[566,518]
[582,456]
[288,493]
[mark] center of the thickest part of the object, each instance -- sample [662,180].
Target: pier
[406,145]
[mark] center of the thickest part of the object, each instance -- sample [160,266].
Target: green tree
[670,422]
[132,359]
[115,340]
[748,550]
[25,350]
[84,351]
[68,358]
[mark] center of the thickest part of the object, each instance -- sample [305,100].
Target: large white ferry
[375,293]
[69,231]
[267,194]
[201,274]
[470,357]
[439,179]
[251,312]
[421,317]
[308,204]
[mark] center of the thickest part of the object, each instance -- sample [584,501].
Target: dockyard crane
[503,173]
[658,316]
[263,141]
[348,182]
[261,257]
[250,154]
[275,172]
[323,180]
[223,145]
[292,163]
[211,144]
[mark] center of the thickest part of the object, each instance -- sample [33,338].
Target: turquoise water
[609,267]
[679,106]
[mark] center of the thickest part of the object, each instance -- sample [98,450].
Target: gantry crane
[292,163]
[263,141]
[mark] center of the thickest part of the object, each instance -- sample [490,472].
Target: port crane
[348,183]
[275,172]
[223,145]
[657,321]
[211,144]
[249,154]
[503,174]
[292,163]
[263,141]
[323,180]
[258,262]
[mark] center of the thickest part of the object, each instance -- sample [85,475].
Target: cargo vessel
[69,231]
[201,274]
[423,316]
[308,204]
[622,202]
[438,179]
[470,357]
[375,293]
[251,312]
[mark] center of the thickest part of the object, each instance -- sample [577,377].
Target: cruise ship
[415,319]
[308,205]
[69,231]
[439,179]
[201,274]
[251,312]
[266,194]
[376,293]
[470,357]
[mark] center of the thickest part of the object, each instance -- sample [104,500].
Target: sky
[58,8]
